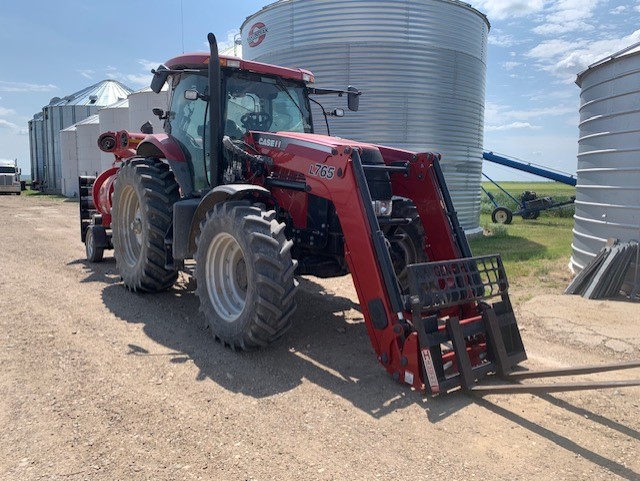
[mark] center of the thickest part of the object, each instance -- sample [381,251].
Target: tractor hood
[323,143]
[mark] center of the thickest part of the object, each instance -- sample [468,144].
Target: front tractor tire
[143,197]
[245,275]
[409,245]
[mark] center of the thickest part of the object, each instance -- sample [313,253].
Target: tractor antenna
[182,25]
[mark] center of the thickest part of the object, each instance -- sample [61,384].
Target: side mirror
[159,113]
[353,98]
[160,76]
[193,94]
[337,113]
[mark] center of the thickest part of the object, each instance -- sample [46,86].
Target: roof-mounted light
[226,62]
[308,78]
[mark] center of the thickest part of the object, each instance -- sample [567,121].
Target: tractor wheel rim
[501,217]
[408,255]
[88,242]
[227,281]
[131,226]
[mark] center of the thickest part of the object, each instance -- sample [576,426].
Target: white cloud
[502,9]
[501,40]
[618,10]
[227,46]
[131,80]
[4,111]
[148,65]
[25,87]
[566,59]
[542,112]
[5,124]
[510,65]
[511,126]
[135,80]
[567,16]
[498,116]
[87,73]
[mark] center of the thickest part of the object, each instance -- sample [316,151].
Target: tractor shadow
[327,346]
[102,272]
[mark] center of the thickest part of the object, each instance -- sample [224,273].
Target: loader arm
[332,169]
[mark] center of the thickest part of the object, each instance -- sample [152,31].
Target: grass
[37,193]
[536,250]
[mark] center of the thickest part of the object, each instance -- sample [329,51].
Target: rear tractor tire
[143,197]
[245,275]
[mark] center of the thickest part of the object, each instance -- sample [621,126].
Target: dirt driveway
[98,383]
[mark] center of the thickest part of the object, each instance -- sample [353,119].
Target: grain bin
[421,66]
[63,112]
[141,105]
[36,147]
[69,161]
[87,133]
[608,190]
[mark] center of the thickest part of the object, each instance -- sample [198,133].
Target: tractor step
[87,208]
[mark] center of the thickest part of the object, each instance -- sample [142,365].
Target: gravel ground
[98,383]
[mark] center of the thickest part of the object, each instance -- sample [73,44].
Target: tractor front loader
[240,183]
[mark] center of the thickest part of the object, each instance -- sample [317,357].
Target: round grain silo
[113,118]
[608,189]
[87,132]
[37,147]
[421,65]
[69,161]
[141,105]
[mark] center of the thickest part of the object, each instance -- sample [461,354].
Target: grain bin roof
[101,94]
[630,50]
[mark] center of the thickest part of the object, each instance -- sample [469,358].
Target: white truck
[10,177]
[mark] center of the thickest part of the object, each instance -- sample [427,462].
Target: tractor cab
[254,97]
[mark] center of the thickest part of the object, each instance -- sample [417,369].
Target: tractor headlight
[383,208]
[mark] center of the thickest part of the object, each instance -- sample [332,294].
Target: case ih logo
[257,33]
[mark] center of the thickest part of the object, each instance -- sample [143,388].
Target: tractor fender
[184,239]
[163,146]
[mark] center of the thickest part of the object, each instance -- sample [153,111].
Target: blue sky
[536,48]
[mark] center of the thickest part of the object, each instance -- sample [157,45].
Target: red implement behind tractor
[241,184]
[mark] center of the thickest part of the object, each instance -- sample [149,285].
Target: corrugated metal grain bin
[421,66]
[608,190]
[36,147]
[87,133]
[64,112]
[141,105]
[69,161]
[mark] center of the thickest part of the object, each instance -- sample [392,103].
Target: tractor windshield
[267,104]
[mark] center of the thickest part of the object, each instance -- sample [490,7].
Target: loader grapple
[435,285]
[459,352]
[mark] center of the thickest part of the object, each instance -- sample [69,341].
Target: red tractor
[240,183]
